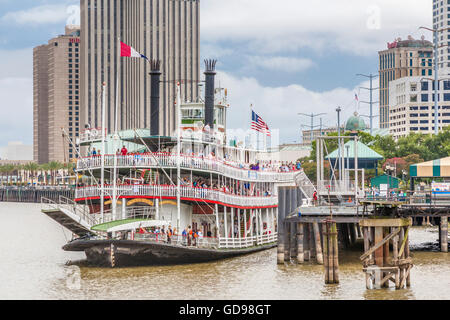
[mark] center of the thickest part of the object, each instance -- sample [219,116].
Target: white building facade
[441,21]
[411,107]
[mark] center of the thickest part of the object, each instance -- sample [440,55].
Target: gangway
[306,186]
[68,215]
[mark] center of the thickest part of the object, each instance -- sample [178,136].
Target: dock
[34,195]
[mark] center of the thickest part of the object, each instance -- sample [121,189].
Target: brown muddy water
[33,266]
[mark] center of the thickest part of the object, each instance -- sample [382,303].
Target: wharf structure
[310,216]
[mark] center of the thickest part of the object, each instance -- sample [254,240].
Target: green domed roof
[355,123]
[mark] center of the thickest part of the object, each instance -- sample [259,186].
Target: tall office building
[441,21]
[402,58]
[412,106]
[167,30]
[56,97]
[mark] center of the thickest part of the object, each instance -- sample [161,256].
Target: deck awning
[367,158]
[431,169]
[129,224]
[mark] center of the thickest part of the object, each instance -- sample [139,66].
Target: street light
[312,126]
[371,103]
[340,164]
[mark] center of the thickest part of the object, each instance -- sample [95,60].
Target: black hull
[125,253]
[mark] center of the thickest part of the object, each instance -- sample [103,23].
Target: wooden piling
[326,250]
[443,234]
[287,242]
[382,269]
[312,243]
[330,252]
[300,255]
[352,231]
[281,216]
[293,240]
[306,250]
[319,254]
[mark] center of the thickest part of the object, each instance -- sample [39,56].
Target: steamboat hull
[126,253]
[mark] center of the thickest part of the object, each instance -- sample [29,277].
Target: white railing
[303,182]
[336,186]
[168,160]
[90,135]
[69,205]
[79,210]
[47,204]
[238,243]
[185,193]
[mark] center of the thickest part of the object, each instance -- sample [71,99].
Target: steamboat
[146,199]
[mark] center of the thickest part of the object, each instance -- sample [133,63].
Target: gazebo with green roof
[367,158]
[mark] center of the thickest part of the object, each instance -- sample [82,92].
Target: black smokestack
[210,74]
[155,76]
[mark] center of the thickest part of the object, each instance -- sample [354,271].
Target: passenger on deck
[315,198]
[195,234]
[124,151]
[169,235]
[189,236]
[184,235]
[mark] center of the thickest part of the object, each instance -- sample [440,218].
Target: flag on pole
[259,125]
[128,51]
[356,97]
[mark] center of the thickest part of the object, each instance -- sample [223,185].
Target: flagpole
[102,179]
[178,158]
[251,119]
[116,127]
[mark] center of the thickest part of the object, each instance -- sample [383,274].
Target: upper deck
[272,172]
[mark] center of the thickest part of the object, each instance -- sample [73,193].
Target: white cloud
[279,106]
[16,95]
[283,64]
[16,63]
[355,26]
[16,109]
[45,14]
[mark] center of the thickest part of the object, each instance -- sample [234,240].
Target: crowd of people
[267,165]
[190,237]
[246,189]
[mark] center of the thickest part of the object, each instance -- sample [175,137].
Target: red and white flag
[128,51]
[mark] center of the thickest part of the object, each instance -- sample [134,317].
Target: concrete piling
[319,254]
[300,255]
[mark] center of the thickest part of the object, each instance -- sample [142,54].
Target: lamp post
[338,110]
[347,147]
[371,103]
[312,126]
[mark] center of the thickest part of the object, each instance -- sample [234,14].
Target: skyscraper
[441,21]
[402,58]
[167,30]
[56,97]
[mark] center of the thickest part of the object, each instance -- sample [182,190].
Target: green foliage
[423,147]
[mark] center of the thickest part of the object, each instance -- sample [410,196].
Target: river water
[33,266]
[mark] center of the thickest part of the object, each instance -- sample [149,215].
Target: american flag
[259,125]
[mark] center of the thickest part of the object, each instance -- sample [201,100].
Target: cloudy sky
[284,57]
